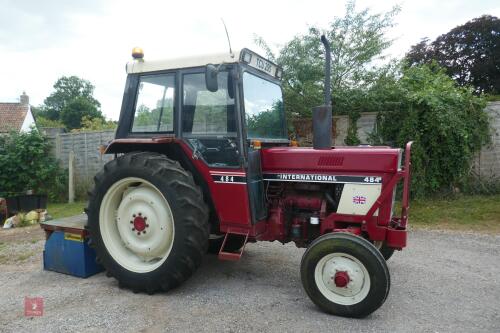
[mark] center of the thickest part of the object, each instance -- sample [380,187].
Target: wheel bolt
[147,225]
[133,229]
[131,222]
[139,233]
[144,232]
[140,214]
[133,215]
[145,218]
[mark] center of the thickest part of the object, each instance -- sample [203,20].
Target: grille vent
[330,160]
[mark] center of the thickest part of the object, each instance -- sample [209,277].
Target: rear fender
[122,146]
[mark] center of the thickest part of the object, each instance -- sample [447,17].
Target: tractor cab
[217,104]
[219,110]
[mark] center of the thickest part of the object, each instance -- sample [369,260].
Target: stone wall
[487,164]
[303,128]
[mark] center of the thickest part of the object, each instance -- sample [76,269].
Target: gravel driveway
[443,282]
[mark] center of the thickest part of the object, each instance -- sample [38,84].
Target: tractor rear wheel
[345,275]
[148,222]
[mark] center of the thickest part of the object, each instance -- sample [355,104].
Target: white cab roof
[146,65]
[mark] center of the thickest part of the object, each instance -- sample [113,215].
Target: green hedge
[446,122]
[27,164]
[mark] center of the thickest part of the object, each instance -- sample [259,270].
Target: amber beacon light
[137,53]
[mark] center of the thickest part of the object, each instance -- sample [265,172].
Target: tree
[71,100]
[76,109]
[470,53]
[357,41]
[266,123]
[42,122]
[95,124]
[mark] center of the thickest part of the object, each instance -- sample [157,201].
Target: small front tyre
[386,251]
[345,275]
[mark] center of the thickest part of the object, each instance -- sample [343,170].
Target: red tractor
[203,163]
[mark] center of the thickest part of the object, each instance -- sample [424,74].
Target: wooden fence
[87,158]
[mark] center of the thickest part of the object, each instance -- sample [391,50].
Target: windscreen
[264,112]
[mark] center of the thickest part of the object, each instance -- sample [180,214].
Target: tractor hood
[338,159]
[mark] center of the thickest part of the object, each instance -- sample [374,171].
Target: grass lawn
[475,213]
[59,210]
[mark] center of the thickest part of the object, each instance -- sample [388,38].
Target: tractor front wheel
[345,275]
[385,250]
[148,222]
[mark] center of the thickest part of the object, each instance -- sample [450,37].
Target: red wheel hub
[139,223]
[341,279]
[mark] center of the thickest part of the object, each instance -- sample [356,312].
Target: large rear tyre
[148,222]
[345,275]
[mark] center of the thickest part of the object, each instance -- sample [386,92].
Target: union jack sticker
[359,200]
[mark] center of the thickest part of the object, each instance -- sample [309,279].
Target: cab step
[225,254]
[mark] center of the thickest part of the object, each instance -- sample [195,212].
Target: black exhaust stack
[322,115]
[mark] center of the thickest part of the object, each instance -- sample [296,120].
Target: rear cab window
[154,108]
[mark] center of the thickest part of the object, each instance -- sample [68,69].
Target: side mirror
[211,78]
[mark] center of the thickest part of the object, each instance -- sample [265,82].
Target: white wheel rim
[335,264]
[136,224]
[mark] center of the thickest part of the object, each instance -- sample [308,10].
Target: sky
[41,41]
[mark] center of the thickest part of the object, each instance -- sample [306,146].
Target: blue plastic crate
[67,250]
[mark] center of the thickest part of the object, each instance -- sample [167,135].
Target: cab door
[263,121]
[209,125]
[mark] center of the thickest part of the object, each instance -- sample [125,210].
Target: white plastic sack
[9,223]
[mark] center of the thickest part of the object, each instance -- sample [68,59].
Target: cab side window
[204,112]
